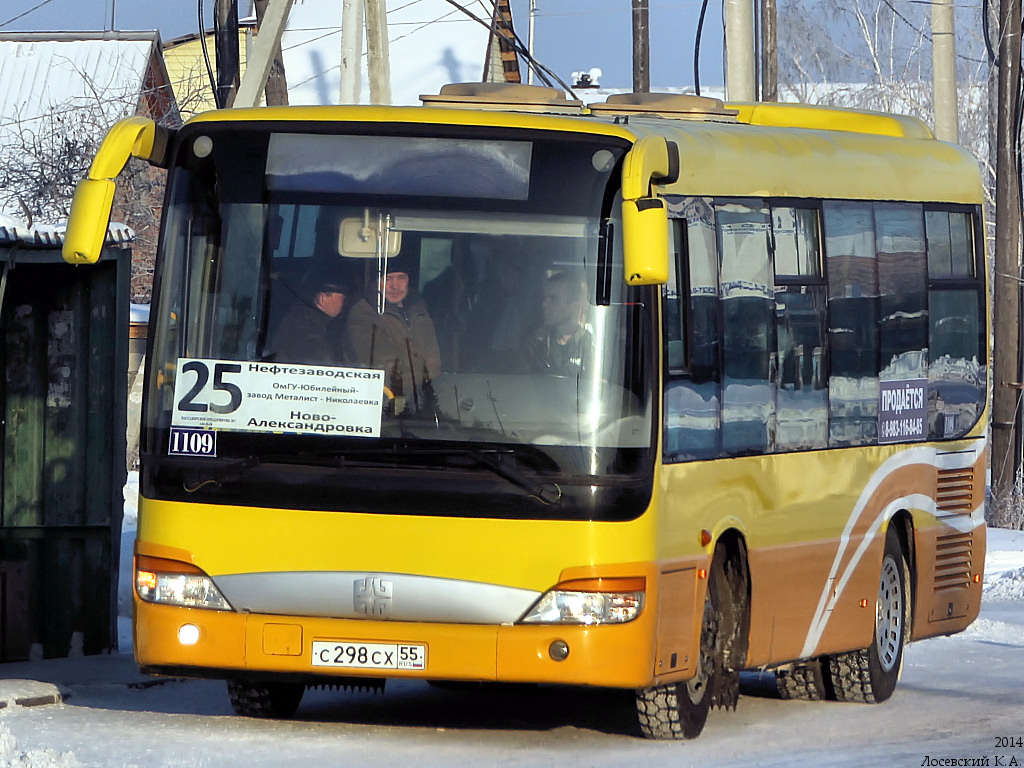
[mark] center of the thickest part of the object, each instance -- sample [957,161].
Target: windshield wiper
[538,491]
[545,493]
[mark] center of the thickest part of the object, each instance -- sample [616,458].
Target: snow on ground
[1004,565]
[124,589]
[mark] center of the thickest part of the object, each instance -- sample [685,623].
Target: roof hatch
[675,105]
[513,97]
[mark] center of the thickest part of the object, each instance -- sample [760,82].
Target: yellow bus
[634,395]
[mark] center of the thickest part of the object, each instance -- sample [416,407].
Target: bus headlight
[170,582]
[590,601]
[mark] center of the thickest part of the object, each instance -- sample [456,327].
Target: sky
[569,35]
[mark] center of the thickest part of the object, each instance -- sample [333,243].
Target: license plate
[369,655]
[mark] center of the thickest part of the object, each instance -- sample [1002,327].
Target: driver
[562,344]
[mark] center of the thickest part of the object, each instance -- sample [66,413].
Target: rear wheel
[266,699]
[870,675]
[803,680]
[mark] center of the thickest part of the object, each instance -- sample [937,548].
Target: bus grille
[954,491]
[953,554]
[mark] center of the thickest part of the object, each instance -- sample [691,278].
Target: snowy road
[958,699]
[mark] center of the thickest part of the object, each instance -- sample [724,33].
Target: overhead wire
[993,57]
[517,45]
[696,47]
[25,13]
[336,30]
[206,55]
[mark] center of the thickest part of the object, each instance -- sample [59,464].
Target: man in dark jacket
[400,341]
[311,332]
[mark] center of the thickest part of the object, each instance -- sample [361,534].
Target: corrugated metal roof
[45,72]
[14,232]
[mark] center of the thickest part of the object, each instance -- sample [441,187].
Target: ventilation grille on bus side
[954,491]
[953,557]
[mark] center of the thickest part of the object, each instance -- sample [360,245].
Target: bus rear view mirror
[644,215]
[87,227]
[645,241]
[94,196]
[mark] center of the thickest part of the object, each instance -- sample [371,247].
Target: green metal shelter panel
[63,343]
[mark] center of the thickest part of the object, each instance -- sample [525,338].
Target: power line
[26,13]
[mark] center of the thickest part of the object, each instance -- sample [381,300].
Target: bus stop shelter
[64,348]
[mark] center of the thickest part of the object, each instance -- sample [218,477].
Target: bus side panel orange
[779,627]
[950,568]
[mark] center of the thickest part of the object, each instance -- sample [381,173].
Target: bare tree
[43,156]
[876,54]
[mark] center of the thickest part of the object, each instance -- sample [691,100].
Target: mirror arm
[651,158]
[94,195]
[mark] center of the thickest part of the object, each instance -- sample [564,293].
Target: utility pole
[739,50]
[641,48]
[769,52]
[1006,290]
[378,60]
[257,68]
[351,50]
[277,85]
[502,61]
[944,71]
[529,42]
[226,43]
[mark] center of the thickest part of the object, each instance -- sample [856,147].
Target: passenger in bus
[562,344]
[401,341]
[453,299]
[482,304]
[311,332]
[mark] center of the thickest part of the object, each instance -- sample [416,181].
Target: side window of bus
[956,328]
[800,374]
[853,322]
[903,304]
[691,310]
[748,327]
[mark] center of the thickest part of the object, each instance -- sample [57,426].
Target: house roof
[44,73]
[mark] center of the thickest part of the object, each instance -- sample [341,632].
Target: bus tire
[802,681]
[870,676]
[265,699]
[680,710]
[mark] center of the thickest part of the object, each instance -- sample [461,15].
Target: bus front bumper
[208,643]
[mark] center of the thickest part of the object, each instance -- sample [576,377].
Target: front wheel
[267,699]
[680,710]
[870,675]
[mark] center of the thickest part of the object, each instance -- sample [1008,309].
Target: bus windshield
[441,310]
